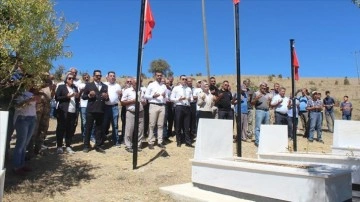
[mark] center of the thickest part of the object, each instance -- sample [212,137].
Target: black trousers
[193,118]
[123,122]
[146,120]
[170,118]
[281,119]
[182,121]
[90,118]
[65,127]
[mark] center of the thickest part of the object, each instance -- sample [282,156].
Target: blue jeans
[315,123]
[261,117]
[111,116]
[24,126]
[83,123]
[346,117]
[330,120]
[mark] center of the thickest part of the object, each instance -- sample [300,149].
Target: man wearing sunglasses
[96,93]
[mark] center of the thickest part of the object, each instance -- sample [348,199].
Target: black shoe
[151,146]
[100,150]
[310,140]
[139,149]
[178,144]
[189,145]
[130,150]
[86,150]
[321,141]
[161,146]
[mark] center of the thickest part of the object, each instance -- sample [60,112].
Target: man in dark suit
[96,93]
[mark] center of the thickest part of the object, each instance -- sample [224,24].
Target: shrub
[311,82]
[346,81]
[280,76]
[336,82]
[270,78]
[313,88]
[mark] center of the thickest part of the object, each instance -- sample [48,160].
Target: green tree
[162,66]
[31,37]
[346,81]
[59,72]
[356,2]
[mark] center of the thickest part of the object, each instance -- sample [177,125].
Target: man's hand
[105,95]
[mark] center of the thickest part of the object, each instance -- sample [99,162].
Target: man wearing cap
[261,101]
[329,103]
[315,107]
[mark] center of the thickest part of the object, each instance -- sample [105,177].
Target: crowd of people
[163,105]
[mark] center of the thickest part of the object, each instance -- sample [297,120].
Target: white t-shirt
[72,104]
[83,103]
[113,91]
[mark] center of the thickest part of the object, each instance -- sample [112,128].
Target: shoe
[310,140]
[59,150]
[130,150]
[321,141]
[151,146]
[139,149]
[117,145]
[189,145]
[243,139]
[161,146]
[256,144]
[86,150]
[178,144]
[26,169]
[69,150]
[100,150]
[19,171]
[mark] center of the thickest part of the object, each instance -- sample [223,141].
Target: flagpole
[237,42]
[292,42]
[205,40]
[138,72]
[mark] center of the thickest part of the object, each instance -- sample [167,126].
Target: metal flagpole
[205,40]
[292,42]
[138,72]
[237,42]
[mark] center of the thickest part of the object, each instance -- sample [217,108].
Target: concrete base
[2,180]
[273,180]
[347,151]
[335,161]
[188,192]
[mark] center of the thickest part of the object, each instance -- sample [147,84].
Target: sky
[326,34]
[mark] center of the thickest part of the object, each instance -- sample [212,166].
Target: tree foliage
[31,37]
[356,2]
[59,72]
[162,66]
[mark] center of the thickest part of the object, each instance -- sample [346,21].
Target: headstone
[346,134]
[273,139]
[4,116]
[214,139]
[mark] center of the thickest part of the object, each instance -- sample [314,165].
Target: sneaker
[151,146]
[130,150]
[161,146]
[321,141]
[19,171]
[59,150]
[69,150]
[86,150]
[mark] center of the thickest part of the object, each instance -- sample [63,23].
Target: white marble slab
[2,181]
[273,138]
[4,116]
[214,139]
[273,181]
[346,138]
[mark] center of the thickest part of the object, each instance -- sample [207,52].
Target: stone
[273,138]
[346,138]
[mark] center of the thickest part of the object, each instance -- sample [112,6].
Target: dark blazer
[97,103]
[61,97]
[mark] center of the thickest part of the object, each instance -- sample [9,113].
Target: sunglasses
[128,81]
[183,79]
[70,78]
[99,75]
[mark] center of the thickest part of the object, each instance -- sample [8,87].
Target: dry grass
[97,177]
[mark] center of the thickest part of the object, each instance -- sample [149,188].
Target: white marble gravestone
[273,138]
[4,115]
[214,139]
[346,139]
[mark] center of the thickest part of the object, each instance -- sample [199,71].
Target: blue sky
[326,34]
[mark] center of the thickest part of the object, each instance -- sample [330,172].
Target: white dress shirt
[129,94]
[179,92]
[156,87]
[113,92]
[283,106]
[83,103]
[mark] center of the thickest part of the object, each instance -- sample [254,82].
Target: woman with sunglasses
[68,97]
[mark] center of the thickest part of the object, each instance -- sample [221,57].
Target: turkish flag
[295,64]
[236,1]
[149,22]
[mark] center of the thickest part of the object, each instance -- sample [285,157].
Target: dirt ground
[109,177]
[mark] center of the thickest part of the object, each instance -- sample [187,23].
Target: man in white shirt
[83,104]
[128,100]
[111,112]
[181,95]
[281,105]
[156,96]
